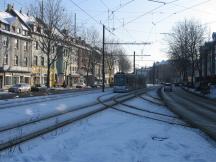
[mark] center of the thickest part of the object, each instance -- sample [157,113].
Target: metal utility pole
[103,61]
[75,25]
[42,10]
[134,68]
[153,73]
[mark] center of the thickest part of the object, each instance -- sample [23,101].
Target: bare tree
[123,61]
[52,16]
[184,42]
[111,55]
[92,37]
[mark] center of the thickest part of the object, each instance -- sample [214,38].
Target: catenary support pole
[75,25]
[134,61]
[103,61]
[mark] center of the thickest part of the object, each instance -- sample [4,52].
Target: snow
[7,18]
[143,104]
[29,111]
[98,139]
[25,18]
[4,92]
[113,136]
[15,34]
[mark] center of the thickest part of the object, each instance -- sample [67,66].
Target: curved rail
[52,122]
[48,124]
[151,112]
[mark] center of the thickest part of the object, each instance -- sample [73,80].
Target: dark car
[168,87]
[38,87]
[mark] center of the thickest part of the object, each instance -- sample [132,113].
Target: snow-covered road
[113,136]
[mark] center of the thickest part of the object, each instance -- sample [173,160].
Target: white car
[18,88]
[81,85]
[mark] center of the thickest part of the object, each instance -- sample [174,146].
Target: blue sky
[134,20]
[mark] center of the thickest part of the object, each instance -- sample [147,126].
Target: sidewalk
[211,95]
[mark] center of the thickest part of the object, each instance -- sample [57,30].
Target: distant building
[162,72]
[208,60]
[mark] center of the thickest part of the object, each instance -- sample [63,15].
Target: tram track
[40,99]
[169,119]
[151,99]
[30,130]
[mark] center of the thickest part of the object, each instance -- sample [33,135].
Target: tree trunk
[193,68]
[87,78]
[48,77]
[48,72]
[110,73]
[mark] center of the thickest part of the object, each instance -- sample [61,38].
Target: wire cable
[180,11]
[96,21]
[148,12]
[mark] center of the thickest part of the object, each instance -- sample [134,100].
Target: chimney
[9,7]
[21,10]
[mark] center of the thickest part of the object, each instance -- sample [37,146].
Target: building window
[8,80]
[27,80]
[36,45]
[6,59]
[18,30]
[42,61]
[53,49]
[25,61]
[25,46]
[16,61]
[34,28]
[25,32]
[35,62]
[13,28]
[15,80]
[39,29]
[5,41]
[16,43]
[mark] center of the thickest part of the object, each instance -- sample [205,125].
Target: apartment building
[15,51]
[22,59]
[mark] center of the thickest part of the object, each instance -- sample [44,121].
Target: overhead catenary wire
[122,5]
[106,6]
[148,12]
[157,1]
[96,21]
[180,11]
[195,10]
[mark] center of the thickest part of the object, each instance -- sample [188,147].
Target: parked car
[177,84]
[39,87]
[81,85]
[18,88]
[96,85]
[168,87]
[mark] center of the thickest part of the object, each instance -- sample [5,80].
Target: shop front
[9,79]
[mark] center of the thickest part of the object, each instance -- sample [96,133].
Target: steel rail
[144,116]
[40,99]
[29,136]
